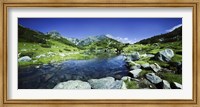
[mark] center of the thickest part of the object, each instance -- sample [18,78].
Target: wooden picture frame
[5,102]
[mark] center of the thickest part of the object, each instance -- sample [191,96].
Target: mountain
[29,35]
[92,39]
[73,40]
[175,35]
[32,36]
[102,42]
[58,37]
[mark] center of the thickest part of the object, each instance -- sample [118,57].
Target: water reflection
[47,76]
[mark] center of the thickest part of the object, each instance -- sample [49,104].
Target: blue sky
[124,29]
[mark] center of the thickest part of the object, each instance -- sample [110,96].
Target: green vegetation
[144,72]
[131,84]
[173,36]
[177,58]
[43,55]
[52,47]
[136,48]
[170,77]
[140,62]
[154,51]
[44,49]
[162,64]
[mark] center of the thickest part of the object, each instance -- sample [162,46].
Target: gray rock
[123,86]
[145,65]
[145,84]
[166,85]
[40,56]
[135,72]
[155,45]
[126,78]
[35,61]
[165,55]
[178,86]
[37,66]
[128,59]
[143,55]
[105,83]
[150,55]
[153,78]
[167,70]
[117,84]
[135,56]
[61,54]
[155,67]
[73,84]
[132,65]
[18,55]
[137,66]
[24,59]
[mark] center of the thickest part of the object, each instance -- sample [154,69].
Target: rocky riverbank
[141,74]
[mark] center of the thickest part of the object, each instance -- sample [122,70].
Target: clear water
[47,76]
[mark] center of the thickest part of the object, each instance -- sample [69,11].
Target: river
[47,76]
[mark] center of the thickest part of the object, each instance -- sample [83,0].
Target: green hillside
[43,49]
[173,36]
[105,45]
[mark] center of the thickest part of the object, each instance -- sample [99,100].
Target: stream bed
[48,75]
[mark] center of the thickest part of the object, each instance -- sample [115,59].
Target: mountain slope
[73,40]
[175,35]
[28,35]
[32,36]
[94,39]
[44,48]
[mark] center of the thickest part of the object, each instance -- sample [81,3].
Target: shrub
[46,45]
[60,50]
[66,49]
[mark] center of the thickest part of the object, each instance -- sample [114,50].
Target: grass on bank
[131,84]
